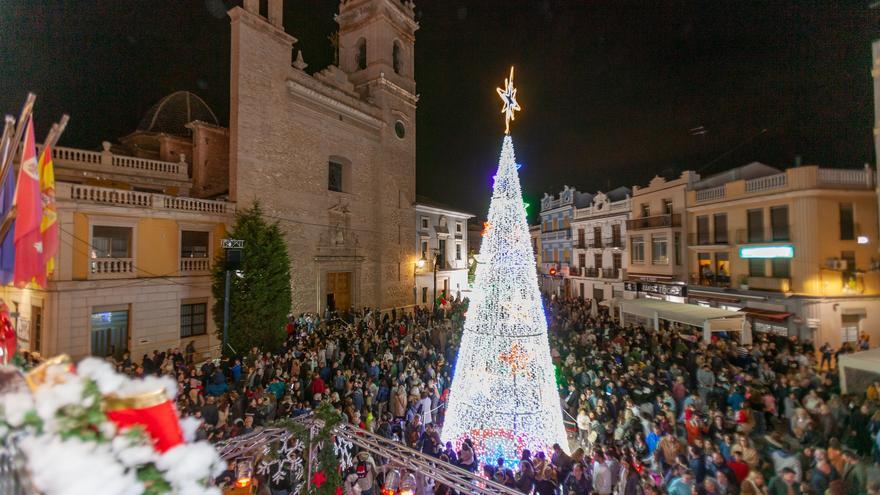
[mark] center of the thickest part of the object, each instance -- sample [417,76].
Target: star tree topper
[508,96]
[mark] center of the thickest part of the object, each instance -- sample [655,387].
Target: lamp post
[434,303]
[233,248]
[417,266]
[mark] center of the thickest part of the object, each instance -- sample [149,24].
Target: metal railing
[397,454]
[710,280]
[653,222]
[752,236]
[719,238]
[775,284]
[613,242]
[14,477]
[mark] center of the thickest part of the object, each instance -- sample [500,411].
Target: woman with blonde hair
[753,484]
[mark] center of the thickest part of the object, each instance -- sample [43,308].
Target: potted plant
[744,282]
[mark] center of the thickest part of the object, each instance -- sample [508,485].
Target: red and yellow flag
[29,266]
[49,223]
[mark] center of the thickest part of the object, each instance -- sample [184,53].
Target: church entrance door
[339,291]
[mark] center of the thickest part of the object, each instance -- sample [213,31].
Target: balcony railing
[745,236]
[112,268]
[195,265]
[612,242]
[767,183]
[711,194]
[580,245]
[703,239]
[611,273]
[76,158]
[136,199]
[845,177]
[710,280]
[596,244]
[584,271]
[654,222]
[776,284]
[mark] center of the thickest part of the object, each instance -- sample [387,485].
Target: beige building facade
[331,156]
[657,233]
[794,249]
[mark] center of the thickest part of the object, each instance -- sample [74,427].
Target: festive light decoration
[508,96]
[504,395]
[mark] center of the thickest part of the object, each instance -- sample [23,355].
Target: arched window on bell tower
[361,54]
[396,58]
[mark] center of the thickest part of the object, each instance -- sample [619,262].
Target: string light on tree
[504,395]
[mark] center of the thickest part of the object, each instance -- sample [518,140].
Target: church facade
[330,155]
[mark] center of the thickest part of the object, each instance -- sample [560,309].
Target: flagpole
[19,131]
[6,137]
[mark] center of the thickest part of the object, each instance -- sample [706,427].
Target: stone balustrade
[136,199]
[112,268]
[193,265]
[767,183]
[110,162]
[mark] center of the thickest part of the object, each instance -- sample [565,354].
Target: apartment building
[599,246]
[442,264]
[795,249]
[556,242]
[535,234]
[136,250]
[657,234]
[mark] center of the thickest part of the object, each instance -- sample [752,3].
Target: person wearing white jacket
[603,481]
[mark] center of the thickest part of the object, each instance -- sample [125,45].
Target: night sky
[610,90]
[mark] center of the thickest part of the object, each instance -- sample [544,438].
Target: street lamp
[417,266]
[233,249]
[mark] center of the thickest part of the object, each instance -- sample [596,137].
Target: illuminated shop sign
[779,251]
[656,288]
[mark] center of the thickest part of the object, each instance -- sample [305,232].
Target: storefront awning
[689,314]
[767,314]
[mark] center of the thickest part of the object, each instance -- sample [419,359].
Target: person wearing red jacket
[740,469]
[318,386]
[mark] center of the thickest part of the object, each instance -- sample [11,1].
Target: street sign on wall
[232,243]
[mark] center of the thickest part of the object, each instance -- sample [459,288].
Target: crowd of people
[650,411]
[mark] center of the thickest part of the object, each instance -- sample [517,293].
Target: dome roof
[171,114]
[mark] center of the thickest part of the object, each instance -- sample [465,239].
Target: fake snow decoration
[92,430]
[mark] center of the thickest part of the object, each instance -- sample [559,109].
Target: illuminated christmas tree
[504,396]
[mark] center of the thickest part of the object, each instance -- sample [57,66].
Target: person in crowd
[652,411]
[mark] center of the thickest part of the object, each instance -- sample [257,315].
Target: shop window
[704,264]
[722,268]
